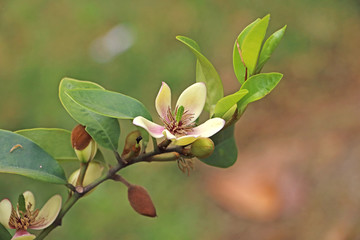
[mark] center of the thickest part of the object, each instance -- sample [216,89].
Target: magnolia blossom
[31,218]
[179,124]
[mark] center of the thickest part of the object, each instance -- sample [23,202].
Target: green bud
[202,147]
[93,172]
[85,147]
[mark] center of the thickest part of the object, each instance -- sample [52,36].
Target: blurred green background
[297,175]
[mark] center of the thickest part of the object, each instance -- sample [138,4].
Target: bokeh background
[298,169]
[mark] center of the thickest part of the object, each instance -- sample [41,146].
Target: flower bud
[202,147]
[93,172]
[140,201]
[132,147]
[85,147]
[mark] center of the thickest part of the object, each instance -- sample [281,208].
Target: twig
[111,174]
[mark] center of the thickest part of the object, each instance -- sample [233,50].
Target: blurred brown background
[297,176]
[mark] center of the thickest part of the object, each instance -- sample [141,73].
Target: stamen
[179,126]
[24,220]
[185,165]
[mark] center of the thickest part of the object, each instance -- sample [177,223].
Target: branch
[172,154]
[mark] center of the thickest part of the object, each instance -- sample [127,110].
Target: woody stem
[111,174]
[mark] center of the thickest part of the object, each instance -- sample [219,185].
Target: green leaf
[238,65]
[104,130]
[269,46]
[205,72]
[55,141]
[224,104]
[19,155]
[250,47]
[225,153]
[21,203]
[4,233]
[258,86]
[110,104]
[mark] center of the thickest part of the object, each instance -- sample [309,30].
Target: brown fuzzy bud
[85,147]
[140,201]
[80,139]
[202,147]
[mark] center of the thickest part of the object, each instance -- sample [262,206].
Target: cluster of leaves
[249,56]
[35,153]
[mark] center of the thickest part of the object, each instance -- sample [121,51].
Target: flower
[179,125]
[31,218]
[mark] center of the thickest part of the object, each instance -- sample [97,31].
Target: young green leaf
[251,45]
[205,72]
[21,203]
[54,141]
[107,103]
[269,46]
[238,65]
[225,153]
[19,155]
[224,104]
[4,233]
[104,130]
[258,86]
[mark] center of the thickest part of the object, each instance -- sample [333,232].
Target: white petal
[48,212]
[5,212]
[23,235]
[168,134]
[193,99]
[185,140]
[163,101]
[154,129]
[180,141]
[209,128]
[29,198]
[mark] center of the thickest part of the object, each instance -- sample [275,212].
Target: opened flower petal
[48,213]
[163,100]
[209,128]
[5,212]
[23,235]
[185,140]
[179,124]
[193,99]
[29,199]
[154,129]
